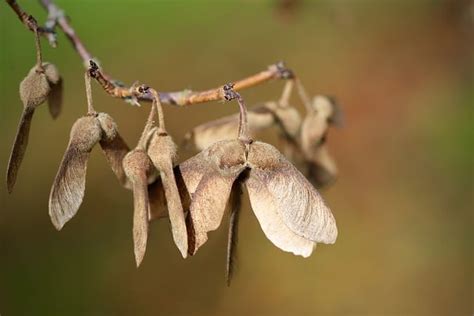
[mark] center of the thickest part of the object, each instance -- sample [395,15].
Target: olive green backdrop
[402,71]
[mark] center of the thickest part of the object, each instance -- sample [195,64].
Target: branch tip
[282,71]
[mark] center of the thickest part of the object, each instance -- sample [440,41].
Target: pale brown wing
[209,177]
[113,147]
[115,150]
[232,237]
[297,202]
[226,128]
[265,206]
[68,188]
[175,209]
[193,169]
[208,205]
[140,218]
[187,175]
[19,147]
[137,166]
[322,170]
[162,152]
[313,130]
[55,98]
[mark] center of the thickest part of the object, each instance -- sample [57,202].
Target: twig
[179,98]
[30,22]
[56,17]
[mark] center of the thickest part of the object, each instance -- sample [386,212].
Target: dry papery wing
[55,99]
[287,118]
[227,161]
[114,147]
[226,128]
[137,165]
[162,152]
[313,131]
[187,175]
[265,206]
[298,204]
[69,185]
[322,170]
[232,238]
[329,107]
[19,146]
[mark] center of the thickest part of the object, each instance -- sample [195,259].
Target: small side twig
[30,22]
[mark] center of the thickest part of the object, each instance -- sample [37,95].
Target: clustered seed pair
[195,194]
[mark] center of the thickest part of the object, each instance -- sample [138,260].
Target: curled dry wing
[298,204]
[226,160]
[162,152]
[69,185]
[114,147]
[137,165]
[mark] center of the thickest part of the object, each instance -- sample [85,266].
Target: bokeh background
[403,73]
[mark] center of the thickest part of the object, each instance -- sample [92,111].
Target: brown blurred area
[403,73]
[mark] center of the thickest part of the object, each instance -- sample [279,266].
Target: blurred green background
[403,72]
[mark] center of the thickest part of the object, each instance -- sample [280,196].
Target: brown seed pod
[114,147]
[137,166]
[68,188]
[162,152]
[291,212]
[19,147]
[34,89]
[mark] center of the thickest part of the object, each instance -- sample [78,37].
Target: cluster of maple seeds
[194,194]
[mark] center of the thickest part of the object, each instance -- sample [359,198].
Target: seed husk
[34,88]
[68,188]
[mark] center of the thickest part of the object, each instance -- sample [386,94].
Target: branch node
[229,92]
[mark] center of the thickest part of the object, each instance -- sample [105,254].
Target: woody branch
[57,18]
